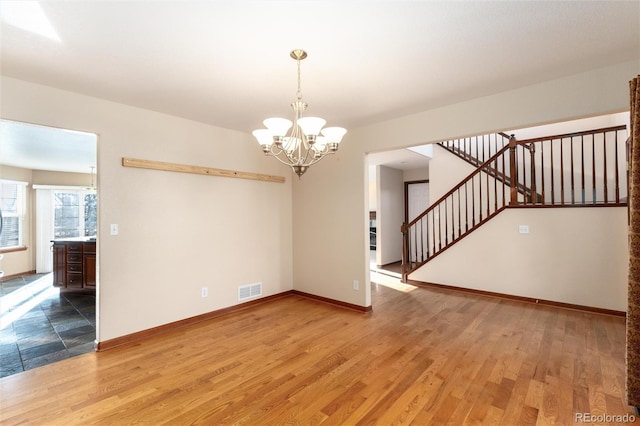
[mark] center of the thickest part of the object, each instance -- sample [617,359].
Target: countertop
[75,240]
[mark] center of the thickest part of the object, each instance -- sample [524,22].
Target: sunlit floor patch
[21,301]
[391,282]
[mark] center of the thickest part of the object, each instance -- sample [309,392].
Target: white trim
[15,182]
[44,230]
[63,187]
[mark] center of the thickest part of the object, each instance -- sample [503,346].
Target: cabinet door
[59,265]
[89,270]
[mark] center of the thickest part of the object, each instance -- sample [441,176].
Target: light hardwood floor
[424,356]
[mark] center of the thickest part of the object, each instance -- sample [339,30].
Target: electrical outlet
[204,291]
[356,285]
[523,229]
[114,229]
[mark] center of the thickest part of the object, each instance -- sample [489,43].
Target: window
[75,213]
[12,204]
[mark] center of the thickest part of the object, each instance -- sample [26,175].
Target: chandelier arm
[275,152]
[306,155]
[300,145]
[315,160]
[277,157]
[312,162]
[291,160]
[272,151]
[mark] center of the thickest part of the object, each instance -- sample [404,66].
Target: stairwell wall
[390,208]
[571,255]
[330,203]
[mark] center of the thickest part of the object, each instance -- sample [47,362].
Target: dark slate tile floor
[40,324]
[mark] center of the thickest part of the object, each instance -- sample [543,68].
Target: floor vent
[249,291]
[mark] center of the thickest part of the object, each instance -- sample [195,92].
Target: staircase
[583,169]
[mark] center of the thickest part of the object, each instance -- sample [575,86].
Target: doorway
[54,171]
[416,196]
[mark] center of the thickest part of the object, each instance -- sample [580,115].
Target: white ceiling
[227,62]
[402,159]
[35,147]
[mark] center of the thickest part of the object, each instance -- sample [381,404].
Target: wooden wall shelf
[199,170]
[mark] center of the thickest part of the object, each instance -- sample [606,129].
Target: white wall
[178,232]
[390,215]
[334,191]
[571,255]
[373,189]
[331,242]
[445,171]
[417,174]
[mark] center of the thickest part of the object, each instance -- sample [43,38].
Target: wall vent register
[249,291]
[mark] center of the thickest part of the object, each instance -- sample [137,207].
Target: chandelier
[307,142]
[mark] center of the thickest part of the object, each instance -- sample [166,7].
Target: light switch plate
[114,229]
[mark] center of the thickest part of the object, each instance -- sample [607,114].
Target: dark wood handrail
[574,134]
[476,149]
[463,148]
[455,188]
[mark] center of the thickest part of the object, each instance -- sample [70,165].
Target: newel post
[513,171]
[406,255]
[405,251]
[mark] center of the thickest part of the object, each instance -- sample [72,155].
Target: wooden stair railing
[577,169]
[477,149]
[468,205]
[580,169]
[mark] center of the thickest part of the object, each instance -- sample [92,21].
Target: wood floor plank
[423,356]
[516,402]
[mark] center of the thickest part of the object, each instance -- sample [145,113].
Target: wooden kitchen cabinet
[74,263]
[59,265]
[89,264]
